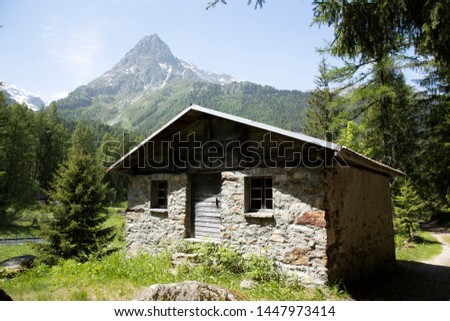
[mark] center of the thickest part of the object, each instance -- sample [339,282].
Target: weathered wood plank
[202,201]
[206,213]
[203,229]
[207,224]
[214,219]
[203,205]
[206,229]
[207,234]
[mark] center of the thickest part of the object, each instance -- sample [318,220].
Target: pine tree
[75,228]
[433,170]
[51,147]
[409,210]
[324,116]
[16,160]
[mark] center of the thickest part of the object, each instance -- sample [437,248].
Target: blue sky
[51,46]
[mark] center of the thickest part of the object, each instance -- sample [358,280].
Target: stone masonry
[151,228]
[297,245]
[293,234]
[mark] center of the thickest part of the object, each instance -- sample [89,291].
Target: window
[259,193]
[159,194]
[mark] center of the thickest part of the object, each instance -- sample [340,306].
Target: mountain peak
[150,64]
[151,46]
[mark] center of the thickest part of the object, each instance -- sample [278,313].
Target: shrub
[409,209]
[215,258]
[261,268]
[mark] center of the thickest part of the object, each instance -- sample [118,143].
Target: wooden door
[206,194]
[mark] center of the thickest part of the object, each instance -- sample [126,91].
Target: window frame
[155,194]
[263,199]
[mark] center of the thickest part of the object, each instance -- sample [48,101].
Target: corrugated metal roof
[269,128]
[344,152]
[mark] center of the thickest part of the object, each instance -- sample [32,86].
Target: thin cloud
[55,97]
[76,48]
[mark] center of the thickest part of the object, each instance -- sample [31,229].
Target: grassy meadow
[117,277]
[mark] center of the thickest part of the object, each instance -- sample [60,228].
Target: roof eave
[358,159]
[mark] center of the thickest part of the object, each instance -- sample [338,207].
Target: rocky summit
[150,65]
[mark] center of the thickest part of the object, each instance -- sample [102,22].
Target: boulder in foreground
[4,296]
[188,291]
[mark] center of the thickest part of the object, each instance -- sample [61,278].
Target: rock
[174,272]
[297,256]
[188,291]
[229,176]
[18,262]
[248,284]
[312,218]
[180,258]
[4,296]
[137,209]
[277,236]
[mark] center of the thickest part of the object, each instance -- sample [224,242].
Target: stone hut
[318,209]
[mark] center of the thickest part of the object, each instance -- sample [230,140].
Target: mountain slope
[21,96]
[149,86]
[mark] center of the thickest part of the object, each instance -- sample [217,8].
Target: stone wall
[293,234]
[151,228]
[359,223]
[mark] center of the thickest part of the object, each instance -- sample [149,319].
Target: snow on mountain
[21,96]
[150,65]
[206,76]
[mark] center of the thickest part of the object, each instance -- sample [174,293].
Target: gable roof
[346,153]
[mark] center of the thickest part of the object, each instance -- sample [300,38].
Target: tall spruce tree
[386,110]
[75,227]
[324,115]
[16,160]
[51,145]
[433,170]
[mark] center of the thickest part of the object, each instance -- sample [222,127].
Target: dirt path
[412,281]
[443,259]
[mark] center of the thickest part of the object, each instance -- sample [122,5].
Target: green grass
[116,218]
[8,251]
[426,250]
[27,226]
[117,277]
[113,278]
[20,229]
